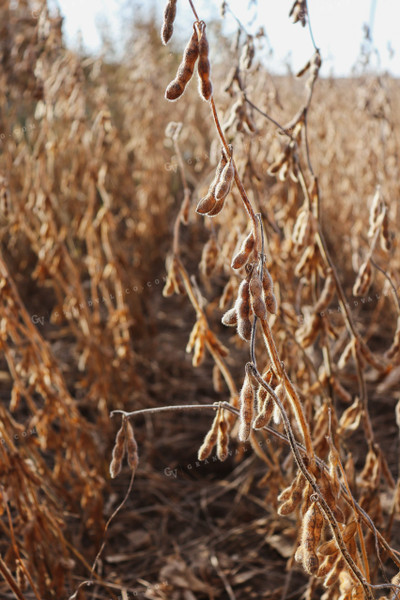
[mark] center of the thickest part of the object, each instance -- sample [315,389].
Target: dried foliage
[300,258]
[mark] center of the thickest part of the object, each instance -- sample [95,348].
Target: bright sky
[337,26]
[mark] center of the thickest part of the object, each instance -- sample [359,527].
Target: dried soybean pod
[211,439]
[280,391]
[327,564]
[21,578]
[325,486]
[313,522]
[131,447]
[225,181]
[230,318]
[222,439]
[385,240]
[261,397]
[346,355]
[203,67]
[363,280]
[333,462]
[246,409]
[219,205]
[331,547]
[271,304]
[209,201]
[264,416]
[291,496]
[167,28]
[244,329]
[241,258]
[326,294]
[209,257]
[227,294]
[199,351]
[333,576]
[301,229]
[185,70]
[375,212]
[216,379]
[257,299]
[243,311]
[169,287]
[193,336]
[118,452]
[268,284]
[206,204]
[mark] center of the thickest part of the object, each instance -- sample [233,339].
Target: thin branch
[157,409]
[389,280]
[267,116]
[194,10]
[310,28]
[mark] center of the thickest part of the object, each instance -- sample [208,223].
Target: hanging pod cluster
[197,48]
[200,337]
[257,417]
[255,296]
[125,443]
[219,435]
[319,558]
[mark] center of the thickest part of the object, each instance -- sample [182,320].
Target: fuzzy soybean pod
[313,522]
[242,307]
[230,317]
[385,240]
[225,183]
[209,201]
[185,70]
[222,439]
[205,85]
[246,409]
[265,410]
[219,205]
[118,452]
[131,447]
[241,258]
[268,286]
[211,438]
[326,294]
[291,496]
[257,297]
[167,28]
[363,280]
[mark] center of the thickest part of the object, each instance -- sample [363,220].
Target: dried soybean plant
[339,543]
[68,311]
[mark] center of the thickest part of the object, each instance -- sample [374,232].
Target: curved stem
[157,409]
[194,10]
[281,373]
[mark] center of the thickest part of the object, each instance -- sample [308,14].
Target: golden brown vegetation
[296,245]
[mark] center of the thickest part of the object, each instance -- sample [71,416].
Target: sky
[337,27]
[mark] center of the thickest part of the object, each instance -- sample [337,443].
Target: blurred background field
[89,191]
